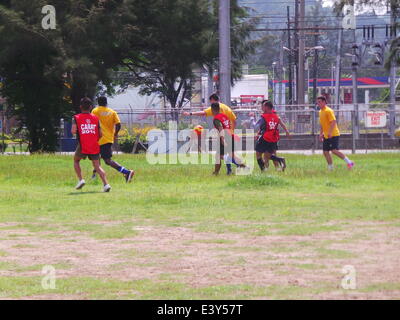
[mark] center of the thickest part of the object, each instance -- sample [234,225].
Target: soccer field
[177,232]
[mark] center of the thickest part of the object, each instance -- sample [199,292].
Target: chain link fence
[301,121]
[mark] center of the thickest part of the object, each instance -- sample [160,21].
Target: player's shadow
[78,193]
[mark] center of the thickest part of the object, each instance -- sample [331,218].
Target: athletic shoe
[107,188]
[283,164]
[80,184]
[94,175]
[128,176]
[350,165]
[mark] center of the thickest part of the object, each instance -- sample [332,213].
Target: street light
[273,81]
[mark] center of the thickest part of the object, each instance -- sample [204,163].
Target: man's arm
[196,113]
[331,127]
[100,133]
[258,125]
[117,129]
[284,127]
[74,128]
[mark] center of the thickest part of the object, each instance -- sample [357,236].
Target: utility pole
[280,72]
[356,129]
[296,47]
[289,58]
[301,92]
[315,71]
[338,68]
[392,109]
[225,51]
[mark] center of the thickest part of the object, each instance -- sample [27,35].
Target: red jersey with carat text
[271,133]
[88,133]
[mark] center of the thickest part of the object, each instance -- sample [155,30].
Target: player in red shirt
[227,137]
[87,128]
[267,142]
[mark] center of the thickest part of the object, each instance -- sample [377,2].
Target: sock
[348,161]
[228,167]
[275,158]
[330,166]
[123,170]
[261,164]
[235,163]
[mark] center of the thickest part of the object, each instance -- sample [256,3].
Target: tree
[45,69]
[178,36]
[33,83]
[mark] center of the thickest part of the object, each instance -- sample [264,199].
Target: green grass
[37,198]
[94,288]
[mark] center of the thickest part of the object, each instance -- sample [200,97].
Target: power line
[322,28]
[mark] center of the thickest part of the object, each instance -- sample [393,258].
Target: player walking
[87,128]
[110,125]
[329,134]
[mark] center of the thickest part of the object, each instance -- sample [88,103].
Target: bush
[126,143]
[4,141]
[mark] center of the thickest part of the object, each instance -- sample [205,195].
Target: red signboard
[251,98]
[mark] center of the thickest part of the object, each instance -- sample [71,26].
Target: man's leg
[276,160]
[106,154]
[328,157]
[78,172]
[267,157]
[102,173]
[339,154]
[335,151]
[260,161]
[218,161]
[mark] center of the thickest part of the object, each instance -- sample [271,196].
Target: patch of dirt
[203,259]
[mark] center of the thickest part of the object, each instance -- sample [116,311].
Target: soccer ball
[397,132]
[198,129]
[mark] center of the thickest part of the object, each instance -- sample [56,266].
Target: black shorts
[264,146]
[106,151]
[331,144]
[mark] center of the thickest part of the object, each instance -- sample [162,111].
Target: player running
[87,128]
[222,124]
[329,134]
[110,125]
[267,143]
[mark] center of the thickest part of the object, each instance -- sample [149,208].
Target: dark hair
[267,103]
[86,103]
[214,96]
[321,98]
[215,107]
[102,101]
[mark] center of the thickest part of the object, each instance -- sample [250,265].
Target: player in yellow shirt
[224,109]
[110,126]
[329,134]
[214,98]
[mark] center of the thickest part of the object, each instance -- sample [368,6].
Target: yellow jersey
[108,119]
[226,111]
[326,116]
